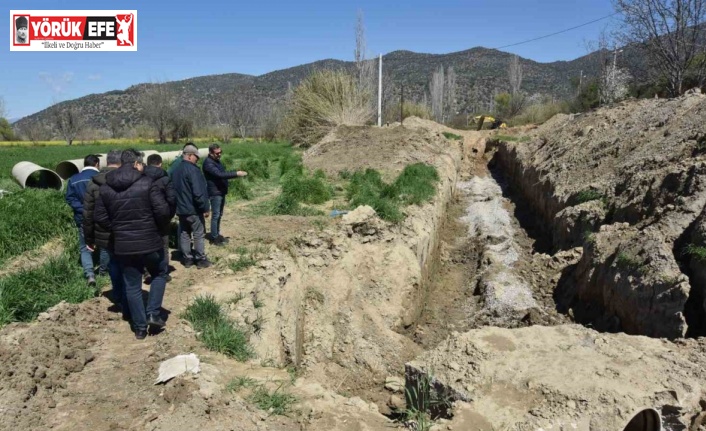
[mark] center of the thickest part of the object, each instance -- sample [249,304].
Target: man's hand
[242,173]
[91,248]
[206,214]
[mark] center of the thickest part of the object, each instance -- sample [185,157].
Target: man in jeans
[161,179]
[98,237]
[192,208]
[75,189]
[133,209]
[217,182]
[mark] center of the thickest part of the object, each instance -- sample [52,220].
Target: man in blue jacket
[75,189]
[217,181]
[192,208]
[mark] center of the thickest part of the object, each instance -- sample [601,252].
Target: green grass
[30,218]
[628,262]
[588,195]
[424,403]
[278,402]
[247,257]
[696,252]
[217,331]
[415,185]
[292,162]
[256,168]
[311,189]
[25,294]
[239,383]
[452,136]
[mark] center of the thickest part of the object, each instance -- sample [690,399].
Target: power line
[559,32]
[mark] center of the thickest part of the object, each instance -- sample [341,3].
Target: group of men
[125,210]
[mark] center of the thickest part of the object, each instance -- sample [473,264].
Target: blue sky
[186,39]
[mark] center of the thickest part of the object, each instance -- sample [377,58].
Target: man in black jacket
[164,183]
[133,209]
[192,208]
[96,236]
[217,181]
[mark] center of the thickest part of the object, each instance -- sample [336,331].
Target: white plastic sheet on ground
[177,366]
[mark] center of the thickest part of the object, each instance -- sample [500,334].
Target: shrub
[322,101]
[628,262]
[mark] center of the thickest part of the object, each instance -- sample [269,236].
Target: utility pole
[380,92]
[578,92]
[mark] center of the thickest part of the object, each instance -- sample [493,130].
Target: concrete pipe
[67,168]
[170,156]
[645,420]
[30,175]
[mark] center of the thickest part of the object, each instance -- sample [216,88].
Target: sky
[178,40]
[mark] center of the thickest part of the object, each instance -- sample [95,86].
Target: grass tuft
[588,195]
[696,252]
[278,402]
[218,332]
[239,383]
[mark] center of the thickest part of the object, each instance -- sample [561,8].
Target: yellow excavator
[495,123]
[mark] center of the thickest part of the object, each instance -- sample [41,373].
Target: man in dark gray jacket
[192,208]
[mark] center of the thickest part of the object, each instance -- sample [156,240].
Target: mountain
[480,73]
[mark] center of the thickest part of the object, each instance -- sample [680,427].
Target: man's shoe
[156,321]
[209,236]
[218,242]
[168,278]
[223,239]
[92,281]
[141,334]
[188,263]
[205,263]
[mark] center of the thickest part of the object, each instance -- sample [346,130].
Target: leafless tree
[3,108]
[159,108]
[673,33]
[450,94]
[365,68]
[436,91]
[515,75]
[67,122]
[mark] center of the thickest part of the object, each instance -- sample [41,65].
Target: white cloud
[57,83]
[95,77]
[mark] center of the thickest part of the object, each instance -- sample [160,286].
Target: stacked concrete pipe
[64,170]
[47,179]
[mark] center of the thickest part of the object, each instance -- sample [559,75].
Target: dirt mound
[38,359]
[561,377]
[642,163]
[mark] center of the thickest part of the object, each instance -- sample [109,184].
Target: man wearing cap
[21,25]
[192,208]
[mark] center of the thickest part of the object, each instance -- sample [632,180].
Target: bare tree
[436,91]
[672,32]
[3,108]
[515,75]
[159,109]
[450,94]
[365,68]
[67,122]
